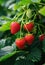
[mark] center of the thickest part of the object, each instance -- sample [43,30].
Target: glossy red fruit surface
[15,27]
[20,43]
[29,26]
[29,38]
[41,37]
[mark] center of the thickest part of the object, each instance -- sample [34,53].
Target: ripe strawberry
[41,37]
[15,27]
[29,38]
[29,26]
[20,43]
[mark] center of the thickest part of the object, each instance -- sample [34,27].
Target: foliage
[26,10]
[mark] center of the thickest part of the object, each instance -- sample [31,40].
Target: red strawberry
[29,38]
[41,37]
[20,43]
[29,26]
[15,27]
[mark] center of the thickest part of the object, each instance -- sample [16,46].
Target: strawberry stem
[39,29]
[22,24]
[20,30]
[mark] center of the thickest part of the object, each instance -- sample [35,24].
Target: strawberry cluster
[28,38]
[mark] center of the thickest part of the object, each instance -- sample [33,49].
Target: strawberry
[20,43]
[29,38]
[15,27]
[29,26]
[41,37]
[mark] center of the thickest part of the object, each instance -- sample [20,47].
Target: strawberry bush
[22,32]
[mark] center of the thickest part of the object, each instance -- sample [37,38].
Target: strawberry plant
[22,32]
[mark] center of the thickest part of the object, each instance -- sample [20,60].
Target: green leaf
[35,55]
[8,41]
[21,3]
[5,18]
[8,2]
[29,13]
[14,46]
[2,43]
[6,50]
[8,56]
[42,11]
[5,27]
[23,62]
[43,45]
[36,1]
[25,2]
[16,53]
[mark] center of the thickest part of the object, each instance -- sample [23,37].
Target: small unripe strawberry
[14,27]
[41,37]
[20,43]
[29,26]
[29,38]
